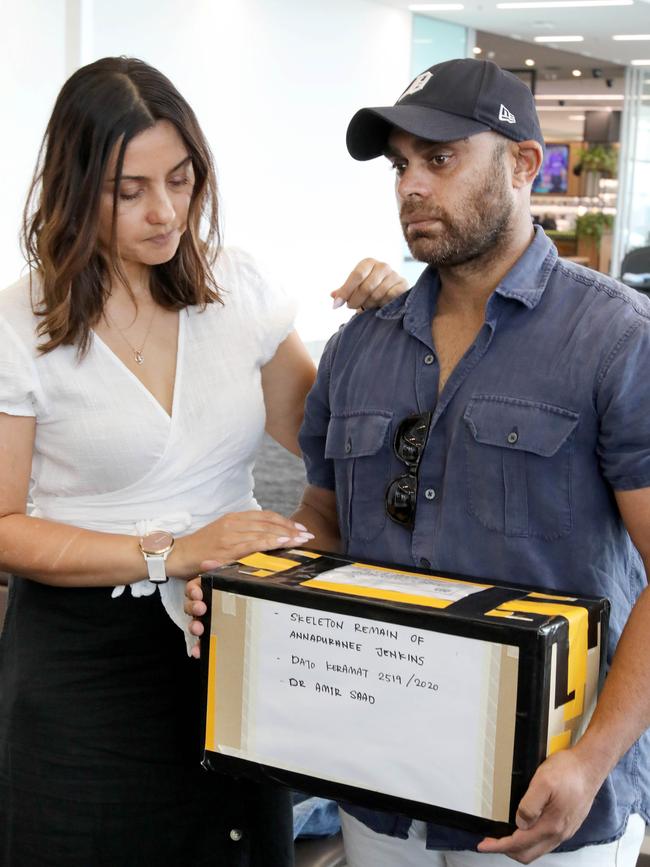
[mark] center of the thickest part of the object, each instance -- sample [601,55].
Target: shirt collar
[416,307]
[527,279]
[525,282]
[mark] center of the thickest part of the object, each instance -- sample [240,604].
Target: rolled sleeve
[18,382]
[623,403]
[269,310]
[313,433]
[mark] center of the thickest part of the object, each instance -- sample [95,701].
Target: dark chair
[635,269]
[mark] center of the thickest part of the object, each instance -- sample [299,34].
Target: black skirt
[100,744]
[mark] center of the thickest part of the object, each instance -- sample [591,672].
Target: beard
[478,229]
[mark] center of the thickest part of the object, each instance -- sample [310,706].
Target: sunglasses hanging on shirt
[401,495]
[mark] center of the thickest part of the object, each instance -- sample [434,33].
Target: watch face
[157,542]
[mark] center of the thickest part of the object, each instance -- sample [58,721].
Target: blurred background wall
[274,84]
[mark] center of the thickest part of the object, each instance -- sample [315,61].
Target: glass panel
[633,224]
[435,41]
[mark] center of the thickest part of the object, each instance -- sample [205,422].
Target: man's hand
[370,284]
[195,607]
[557,802]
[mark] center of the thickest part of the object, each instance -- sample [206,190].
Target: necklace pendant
[139,357]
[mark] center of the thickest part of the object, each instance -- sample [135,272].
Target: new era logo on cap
[506,115]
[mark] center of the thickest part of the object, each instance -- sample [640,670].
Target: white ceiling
[601,81]
[596,25]
[507,37]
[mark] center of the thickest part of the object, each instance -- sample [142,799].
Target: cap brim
[368,131]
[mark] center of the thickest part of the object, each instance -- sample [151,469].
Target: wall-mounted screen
[553,177]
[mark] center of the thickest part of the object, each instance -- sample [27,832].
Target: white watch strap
[156,568]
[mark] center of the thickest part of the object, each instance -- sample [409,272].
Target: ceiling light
[601,96]
[529,61]
[634,37]
[644,62]
[559,38]
[562,4]
[477,50]
[576,117]
[576,73]
[435,7]
[565,108]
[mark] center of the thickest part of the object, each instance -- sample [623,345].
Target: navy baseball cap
[450,101]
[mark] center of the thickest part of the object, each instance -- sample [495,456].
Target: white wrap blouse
[108,457]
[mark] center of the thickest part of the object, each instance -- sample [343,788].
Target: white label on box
[400,582]
[416,714]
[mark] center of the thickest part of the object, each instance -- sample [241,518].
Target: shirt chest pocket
[358,445]
[518,463]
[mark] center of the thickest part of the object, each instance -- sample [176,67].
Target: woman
[138,366]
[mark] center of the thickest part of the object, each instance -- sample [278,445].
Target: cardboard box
[431,695]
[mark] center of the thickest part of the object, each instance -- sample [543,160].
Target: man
[495,422]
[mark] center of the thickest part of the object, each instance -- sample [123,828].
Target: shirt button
[424,563]
[429,359]
[513,436]
[236,835]
[430,494]
[348,447]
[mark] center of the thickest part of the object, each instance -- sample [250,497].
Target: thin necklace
[138,354]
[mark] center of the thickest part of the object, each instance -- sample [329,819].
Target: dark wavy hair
[102,105]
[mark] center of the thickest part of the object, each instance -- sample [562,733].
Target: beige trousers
[366,848]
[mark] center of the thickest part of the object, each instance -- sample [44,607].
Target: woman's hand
[231,537]
[371,284]
[225,540]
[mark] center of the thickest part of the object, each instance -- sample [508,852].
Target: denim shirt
[544,417]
